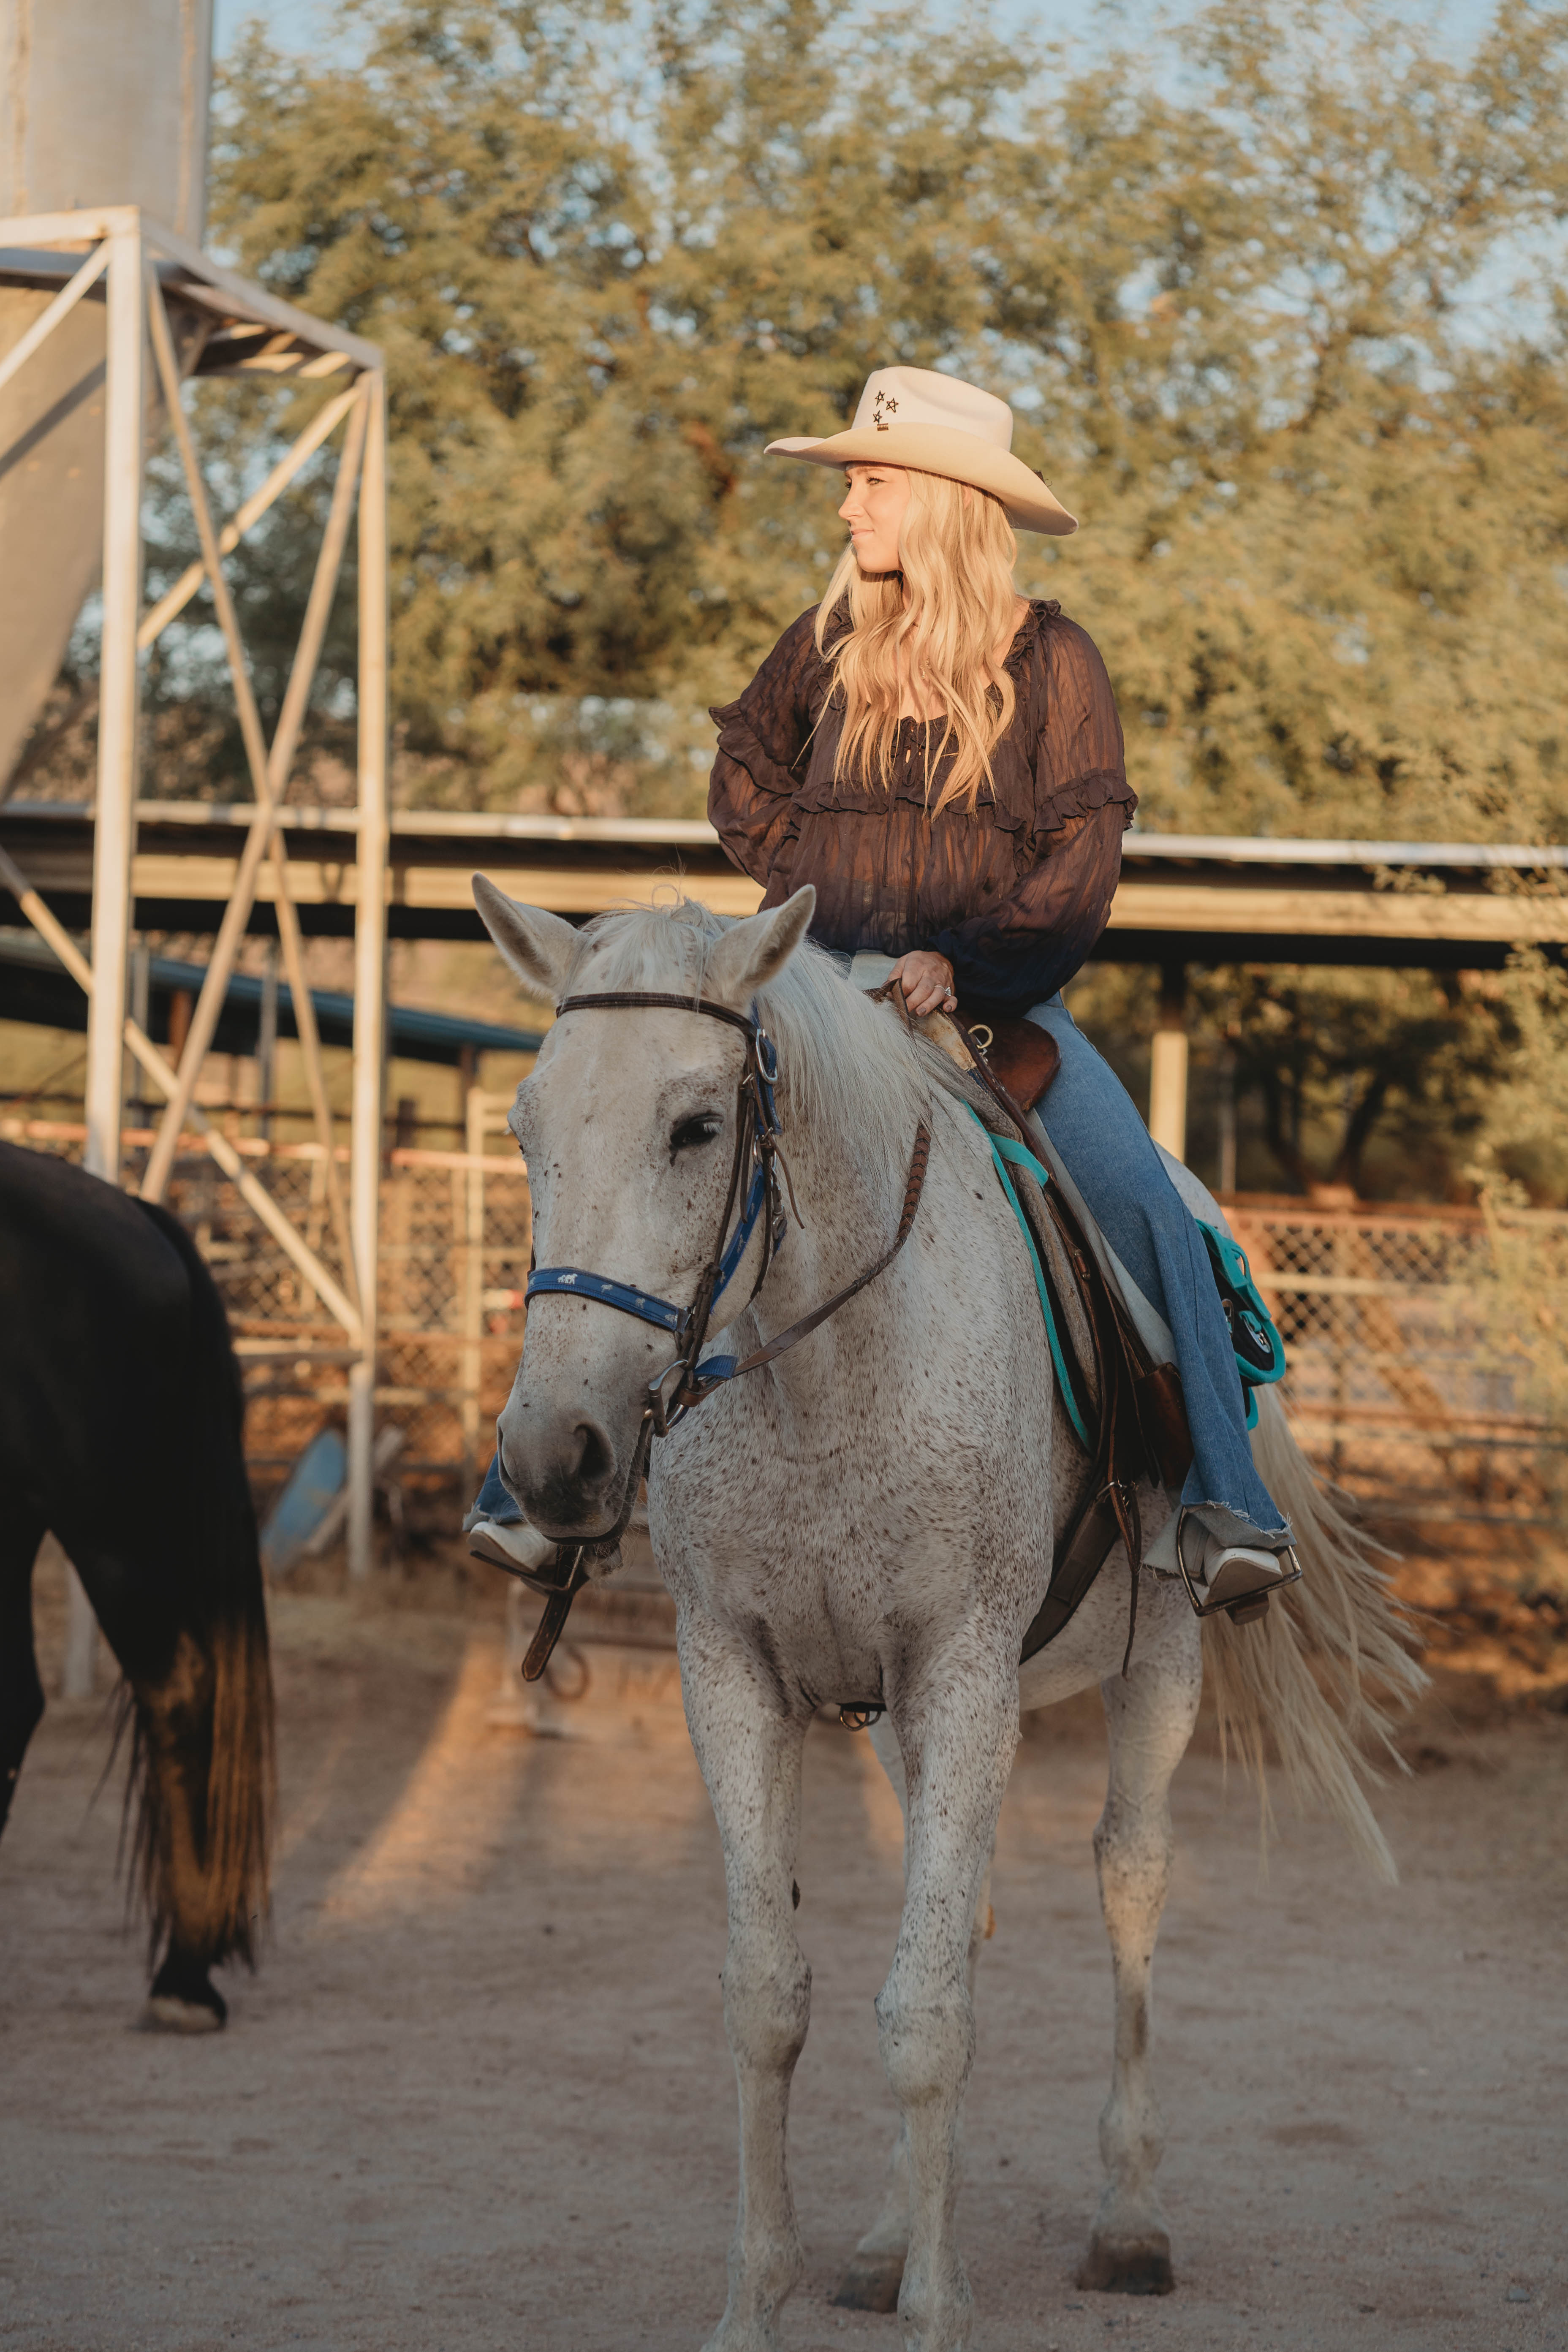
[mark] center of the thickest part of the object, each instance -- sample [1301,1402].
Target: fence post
[473,1284]
[1168,1066]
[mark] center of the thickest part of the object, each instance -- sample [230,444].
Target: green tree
[1323,522]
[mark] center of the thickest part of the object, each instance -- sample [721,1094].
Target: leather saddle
[1135,1405]
[1021,1056]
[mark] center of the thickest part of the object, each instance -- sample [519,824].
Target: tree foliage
[1252,298]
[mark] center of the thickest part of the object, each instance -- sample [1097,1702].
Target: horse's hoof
[871,2283]
[184,2000]
[166,2016]
[1128,2265]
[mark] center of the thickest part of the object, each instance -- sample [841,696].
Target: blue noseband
[576,1281]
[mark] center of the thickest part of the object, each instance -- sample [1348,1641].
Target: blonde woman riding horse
[856,1494]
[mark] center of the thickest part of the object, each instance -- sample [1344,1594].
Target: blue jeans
[1090,1119]
[1109,1154]
[493,1502]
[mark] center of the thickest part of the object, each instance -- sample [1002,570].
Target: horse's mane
[847,1067]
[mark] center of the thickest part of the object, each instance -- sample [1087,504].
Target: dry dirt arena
[478,2095]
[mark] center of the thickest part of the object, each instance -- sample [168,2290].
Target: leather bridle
[755,1167]
[754,1172]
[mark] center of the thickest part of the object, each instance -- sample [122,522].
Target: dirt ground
[478,2094]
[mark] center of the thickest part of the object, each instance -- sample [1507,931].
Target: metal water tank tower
[107,303]
[102,102]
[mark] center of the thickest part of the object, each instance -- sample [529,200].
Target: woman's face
[874,509]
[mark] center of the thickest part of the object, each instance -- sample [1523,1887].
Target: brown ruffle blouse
[1014,893]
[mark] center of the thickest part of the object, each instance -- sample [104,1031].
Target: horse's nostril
[597,1459]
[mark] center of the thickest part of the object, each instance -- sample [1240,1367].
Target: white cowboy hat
[934,424]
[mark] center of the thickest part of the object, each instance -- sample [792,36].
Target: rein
[755,1170]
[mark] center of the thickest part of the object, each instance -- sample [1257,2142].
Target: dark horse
[121,1414]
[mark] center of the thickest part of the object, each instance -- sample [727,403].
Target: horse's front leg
[749,1754]
[875,2272]
[1150,1715]
[958,1748]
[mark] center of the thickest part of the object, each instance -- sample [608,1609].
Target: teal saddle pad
[1254,1339]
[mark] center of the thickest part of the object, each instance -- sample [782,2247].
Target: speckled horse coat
[869,1519]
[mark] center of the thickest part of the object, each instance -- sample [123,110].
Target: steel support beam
[119,698]
[370,971]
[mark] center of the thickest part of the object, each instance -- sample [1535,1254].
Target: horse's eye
[693,1132]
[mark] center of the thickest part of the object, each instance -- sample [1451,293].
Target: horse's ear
[756,950]
[538,946]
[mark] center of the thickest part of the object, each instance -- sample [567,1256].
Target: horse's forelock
[847,1068]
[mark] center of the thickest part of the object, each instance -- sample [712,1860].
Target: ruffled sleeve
[1021,951]
[1021,948]
[761,739]
[1080,764]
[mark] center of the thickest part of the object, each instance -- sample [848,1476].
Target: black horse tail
[218,1707]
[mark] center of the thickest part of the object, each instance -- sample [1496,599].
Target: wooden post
[1227,1121]
[181,1002]
[119,697]
[473,1287]
[267,1042]
[141,1014]
[369,971]
[1168,1069]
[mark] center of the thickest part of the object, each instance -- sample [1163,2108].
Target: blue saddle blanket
[1255,1343]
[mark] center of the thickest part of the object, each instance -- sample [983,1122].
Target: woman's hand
[926,980]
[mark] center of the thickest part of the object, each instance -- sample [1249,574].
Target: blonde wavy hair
[938,623]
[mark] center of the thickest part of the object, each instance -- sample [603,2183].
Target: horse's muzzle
[567,1478]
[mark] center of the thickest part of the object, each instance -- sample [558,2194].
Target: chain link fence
[1426,1353]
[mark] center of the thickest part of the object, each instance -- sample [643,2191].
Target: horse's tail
[1331,1669]
[220,1704]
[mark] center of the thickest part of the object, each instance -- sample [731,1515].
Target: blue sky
[301,23]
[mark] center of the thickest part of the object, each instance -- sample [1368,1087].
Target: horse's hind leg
[21,1692]
[875,2270]
[172,1691]
[173,1730]
[1150,1715]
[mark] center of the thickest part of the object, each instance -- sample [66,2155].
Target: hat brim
[942,449]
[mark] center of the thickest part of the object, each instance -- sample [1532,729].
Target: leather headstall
[754,1170]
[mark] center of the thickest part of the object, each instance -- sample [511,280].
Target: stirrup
[548,1576]
[1242,1608]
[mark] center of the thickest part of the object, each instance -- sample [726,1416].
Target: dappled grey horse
[865,1520]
